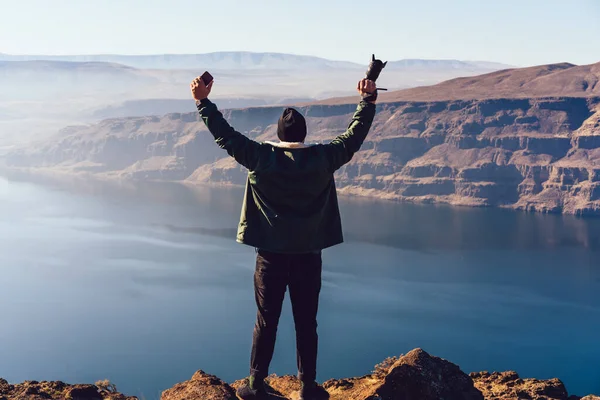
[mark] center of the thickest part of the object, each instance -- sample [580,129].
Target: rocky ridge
[416,375]
[34,390]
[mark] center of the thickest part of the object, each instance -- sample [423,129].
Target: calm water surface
[144,285]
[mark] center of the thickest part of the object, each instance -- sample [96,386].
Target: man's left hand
[367,89]
[200,91]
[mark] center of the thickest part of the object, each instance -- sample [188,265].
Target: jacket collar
[289,145]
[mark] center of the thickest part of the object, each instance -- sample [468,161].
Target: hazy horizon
[365,61]
[512,32]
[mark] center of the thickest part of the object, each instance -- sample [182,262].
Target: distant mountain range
[446,64]
[240,60]
[562,79]
[42,93]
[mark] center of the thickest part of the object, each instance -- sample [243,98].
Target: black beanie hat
[291,127]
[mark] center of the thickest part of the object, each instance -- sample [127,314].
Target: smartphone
[206,78]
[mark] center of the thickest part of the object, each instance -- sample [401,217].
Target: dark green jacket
[290,205]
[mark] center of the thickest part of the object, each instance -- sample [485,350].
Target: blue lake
[144,284]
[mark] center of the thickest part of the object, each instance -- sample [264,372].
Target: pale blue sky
[520,32]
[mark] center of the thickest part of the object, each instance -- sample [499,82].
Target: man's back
[290,204]
[294,207]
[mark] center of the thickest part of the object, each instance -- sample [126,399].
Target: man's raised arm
[342,148]
[244,150]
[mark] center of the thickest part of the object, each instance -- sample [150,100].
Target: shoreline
[350,192]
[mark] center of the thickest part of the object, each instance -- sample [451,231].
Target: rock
[508,386]
[5,387]
[419,375]
[416,375]
[202,386]
[83,392]
[33,390]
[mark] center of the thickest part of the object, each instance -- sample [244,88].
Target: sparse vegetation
[383,367]
[106,386]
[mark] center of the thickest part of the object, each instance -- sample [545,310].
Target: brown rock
[508,386]
[83,392]
[33,390]
[202,386]
[5,387]
[417,375]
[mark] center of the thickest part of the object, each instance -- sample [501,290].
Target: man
[289,214]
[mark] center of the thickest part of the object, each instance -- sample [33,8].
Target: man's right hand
[366,87]
[199,90]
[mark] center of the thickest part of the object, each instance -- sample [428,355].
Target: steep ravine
[538,154]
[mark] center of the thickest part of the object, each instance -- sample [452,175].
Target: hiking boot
[312,391]
[252,390]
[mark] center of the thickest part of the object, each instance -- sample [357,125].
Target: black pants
[274,272]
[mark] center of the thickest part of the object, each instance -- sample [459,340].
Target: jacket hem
[285,251]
